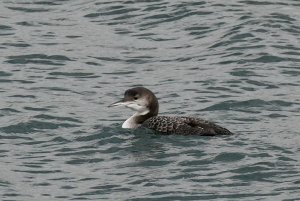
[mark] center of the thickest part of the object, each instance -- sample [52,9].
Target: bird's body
[145,103]
[184,126]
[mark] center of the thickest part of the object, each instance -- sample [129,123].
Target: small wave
[253,103]
[5,30]
[35,109]
[37,59]
[28,10]
[49,117]
[74,74]
[33,126]
[9,110]
[23,96]
[20,44]
[229,157]
[5,27]
[5,74]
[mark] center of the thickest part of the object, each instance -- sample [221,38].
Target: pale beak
[120,103]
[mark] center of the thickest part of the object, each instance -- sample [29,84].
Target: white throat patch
[140,109]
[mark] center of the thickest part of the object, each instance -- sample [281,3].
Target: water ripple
[37,59]
[33,125]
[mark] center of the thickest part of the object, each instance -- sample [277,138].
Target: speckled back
[184,126]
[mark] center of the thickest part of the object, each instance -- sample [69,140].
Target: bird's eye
[135,98]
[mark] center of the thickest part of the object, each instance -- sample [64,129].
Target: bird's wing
[184,126]
[203,127]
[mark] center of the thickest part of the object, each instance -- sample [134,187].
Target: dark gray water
[234,62]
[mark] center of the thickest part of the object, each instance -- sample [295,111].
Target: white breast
[130,122]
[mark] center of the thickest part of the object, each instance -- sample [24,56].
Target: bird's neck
[137,119]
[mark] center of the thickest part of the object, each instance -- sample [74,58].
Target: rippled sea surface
[233,62]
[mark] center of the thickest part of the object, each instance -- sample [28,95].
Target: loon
[145,105]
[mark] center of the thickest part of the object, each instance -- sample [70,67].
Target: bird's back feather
[184,126]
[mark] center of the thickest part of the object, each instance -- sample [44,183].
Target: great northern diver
[145,103]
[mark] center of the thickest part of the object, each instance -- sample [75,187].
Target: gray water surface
[233,62]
